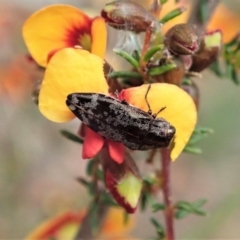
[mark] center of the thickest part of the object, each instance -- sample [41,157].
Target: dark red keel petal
[93,143]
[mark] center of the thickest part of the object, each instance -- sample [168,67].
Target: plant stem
[166,188]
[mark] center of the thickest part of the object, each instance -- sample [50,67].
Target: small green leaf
[126,218]
[198,134]
[233,42]
[149,54]
[108,200]
[162,69]
[157,207]
[127,57]
[92,188]
[145,199]
[83,181]
[192,149]
[181,214]
[216,68]
[71,136]
[200,212]
[125,74]
[174,13]
[89,168]
[184,205]
[204,10]
[185,208]
[159,228]
[155,223]
[93,212]
[136,55]
[163,1]
[148,180]
[235,76]
[187,81]
[100,175]
[199,203]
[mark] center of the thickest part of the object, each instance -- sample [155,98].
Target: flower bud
[122,180]
[208,52]
[182,39]
[128,16]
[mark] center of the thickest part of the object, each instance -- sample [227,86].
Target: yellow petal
[99,36]
[180,109]
[53,28]
[69,70]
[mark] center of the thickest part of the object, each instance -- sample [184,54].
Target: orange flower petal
[65,226]
[52,226]
[53,28]
[180,109]
[69,70]
[116,151]
[99,36]
[115,224]
[93,143]
[226,20]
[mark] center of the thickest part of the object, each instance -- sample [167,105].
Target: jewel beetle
[117,120]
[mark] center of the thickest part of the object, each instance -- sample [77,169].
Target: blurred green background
[38,167]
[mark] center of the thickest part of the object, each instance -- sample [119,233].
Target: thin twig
[166,188]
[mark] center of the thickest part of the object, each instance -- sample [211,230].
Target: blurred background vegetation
[38,167]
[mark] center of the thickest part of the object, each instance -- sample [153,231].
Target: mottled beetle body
[121,122]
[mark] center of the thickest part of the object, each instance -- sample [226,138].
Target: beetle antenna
[149,108]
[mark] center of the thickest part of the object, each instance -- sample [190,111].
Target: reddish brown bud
[208,52]
[182,39]
[174,76]
[128,16]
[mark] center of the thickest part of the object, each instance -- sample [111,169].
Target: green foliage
[174,13]
[198,134]
[71,136]
[93,215]
[130,59]
[184,208]
[153,50]
[231,60]
[89,168]
[162,69]
[204,10]
[158,207]
[144,200]
[159,228]
[163,1]
[136,55]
